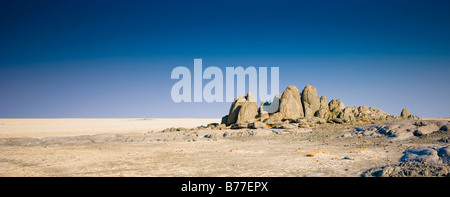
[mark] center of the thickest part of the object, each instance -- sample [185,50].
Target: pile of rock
[410,169]
[402,130]
[304,109]
[243,111]
[427,161]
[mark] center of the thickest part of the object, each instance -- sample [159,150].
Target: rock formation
[362,113]
[304,110]
[243,109]
[336,107]
[234,109]
[402,130]
[290,104]
[324,110]
[248,110]
[310,101]
[348,114]
[405,114]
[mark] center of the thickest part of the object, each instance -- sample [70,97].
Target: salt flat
[46,127]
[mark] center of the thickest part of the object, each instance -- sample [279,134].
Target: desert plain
[182,147]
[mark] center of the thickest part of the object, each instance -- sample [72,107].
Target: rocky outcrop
[348,114]
[371,113]
[405,114]
[362,113]
[290,104]
[402,130]
[306,109]
[310,101]
[243,109]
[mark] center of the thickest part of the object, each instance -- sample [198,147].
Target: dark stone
[417,133]
[224,120]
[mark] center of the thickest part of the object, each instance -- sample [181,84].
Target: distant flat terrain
[46,127]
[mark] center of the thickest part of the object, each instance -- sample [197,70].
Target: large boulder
[405,114]
[324,110]
[324,103]
[336,107]
[290,104]
[349,114]
[310,101]
[234,109]
[249,110]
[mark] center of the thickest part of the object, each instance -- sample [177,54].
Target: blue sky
[75,59]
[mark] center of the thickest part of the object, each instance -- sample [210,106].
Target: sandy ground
[85,126]
[322,151]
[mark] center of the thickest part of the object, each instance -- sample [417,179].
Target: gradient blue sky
[113,59]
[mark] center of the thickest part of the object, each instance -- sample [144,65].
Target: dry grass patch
[312,154]
[359,150]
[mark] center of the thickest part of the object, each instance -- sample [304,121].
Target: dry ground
[322,151]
